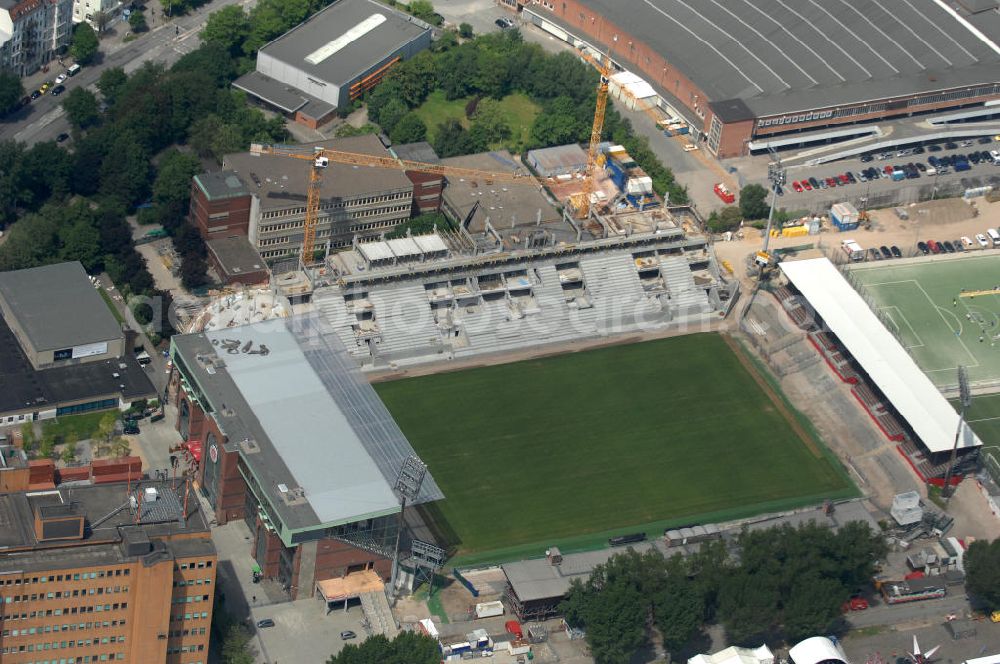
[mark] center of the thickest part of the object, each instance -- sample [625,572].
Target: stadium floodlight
[965,400]
[411,477]
[776,176]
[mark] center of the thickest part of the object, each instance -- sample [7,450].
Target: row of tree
[785,583]
[405,648]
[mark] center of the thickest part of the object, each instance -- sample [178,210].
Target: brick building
[113,572]
[269,193]
[427,187]
[745,77]
[291,438]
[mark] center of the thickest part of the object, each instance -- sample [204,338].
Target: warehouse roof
[26,389]
[43,301]
[879,353]
[796,58]
[281,182]
[316,437]
[345,39]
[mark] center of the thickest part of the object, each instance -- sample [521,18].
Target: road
[44,119]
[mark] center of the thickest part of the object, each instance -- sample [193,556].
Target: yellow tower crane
[321,158]
[580,202]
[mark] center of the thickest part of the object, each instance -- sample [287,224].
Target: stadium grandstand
[902,401]
[444,295]
[751,75]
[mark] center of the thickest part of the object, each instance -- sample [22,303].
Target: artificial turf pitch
[609,440]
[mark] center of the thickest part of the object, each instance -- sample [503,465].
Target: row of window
[372,212]
[82,660]
[72,627]
[189,616]
[192,582]
[51,645]
[198,648]
[201,564]
[272,214]
[191,598]
[62,594]
[74,610]
[80,576]
[97,624]
[178,633]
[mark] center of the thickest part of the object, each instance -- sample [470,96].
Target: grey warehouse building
[61,349]
[333,58]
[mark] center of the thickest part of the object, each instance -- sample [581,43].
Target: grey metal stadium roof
[57,307]
[354,55]
[782,56]
[316,424]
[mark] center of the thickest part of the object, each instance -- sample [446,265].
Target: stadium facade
[745,75]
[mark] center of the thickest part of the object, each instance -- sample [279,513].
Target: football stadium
[570,449]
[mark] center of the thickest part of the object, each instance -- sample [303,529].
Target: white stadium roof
[816,649]
[879,353]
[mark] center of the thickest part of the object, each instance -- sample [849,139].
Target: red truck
[723,192]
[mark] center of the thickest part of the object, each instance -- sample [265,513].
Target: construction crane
[321,158]
[580,202]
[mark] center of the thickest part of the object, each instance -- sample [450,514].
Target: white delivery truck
[853,250]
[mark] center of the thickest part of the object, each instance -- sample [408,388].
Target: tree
[465,31]
[489,126]
[346,130]
[81,108]
[406,648]
[229,28]
[753,201]
[812,606]
[748,604]
[390,114]
[111,83]
[452,140]
[726,219]
[982,568]
[102,20]
[679,607]
[236,646]
[409,129]
[137,20]
[11,92]
[68,455]
[84,45]
[172,185]
[424,10]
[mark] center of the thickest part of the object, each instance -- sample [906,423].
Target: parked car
[950,146]
[865,158]
[948,246]
[934,247]
[130,428]
[36,94]
[874,255]
[814,182]
[797,187]
[63,137]
[934,148]
[806,185]
[266,622]
[896,253]
[922,246]
[61,78]
[58,90]
[958,245]
[504,23]
[347,634]
[966,241]
[885,251]
[984,140]
[981,239]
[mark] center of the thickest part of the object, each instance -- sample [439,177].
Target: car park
[981,239]
[885,251]
[922,246]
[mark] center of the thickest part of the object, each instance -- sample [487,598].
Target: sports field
[566,450]
[984,418]
[941,313]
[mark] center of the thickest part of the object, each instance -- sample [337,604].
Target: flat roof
[559,157]
[420,151]
[280,182]
[506,204]
[25,389]
[220,185]
[236,255]
[797,57]
[879,353]
[108,519]
[344,40]
[58,307]
[312,420]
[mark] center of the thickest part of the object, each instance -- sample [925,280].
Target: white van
[73,70]
[994,236]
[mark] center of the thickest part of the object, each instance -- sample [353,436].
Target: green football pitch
[923,303]
[569,449]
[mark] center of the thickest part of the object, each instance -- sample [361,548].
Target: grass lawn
[569,449]
[111,305]
[73,427]
[518,109]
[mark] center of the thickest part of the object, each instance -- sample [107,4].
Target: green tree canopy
[465,30]
[110,83]
[753,201]
[406,648]
[409,129]
[137,21]
[229,28]
[982,568]
[81,108]
[726,219]
[11,92]
[85,44]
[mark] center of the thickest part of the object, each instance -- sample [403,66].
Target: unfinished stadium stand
[902,402]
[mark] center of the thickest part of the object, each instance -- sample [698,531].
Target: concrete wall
[289,74]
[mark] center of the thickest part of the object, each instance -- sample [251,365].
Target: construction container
[844,216]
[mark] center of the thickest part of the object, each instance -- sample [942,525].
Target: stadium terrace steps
[404,318]
[334,309]
[685,294]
